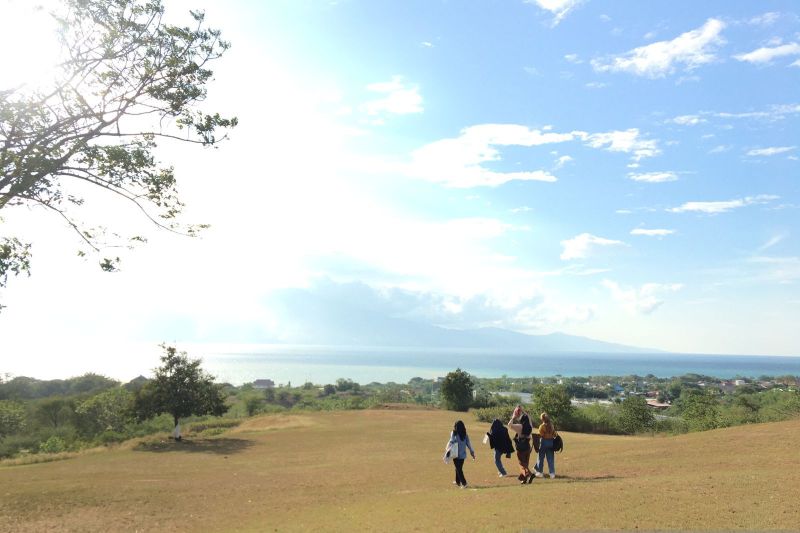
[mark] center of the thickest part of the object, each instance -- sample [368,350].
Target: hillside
[382,470]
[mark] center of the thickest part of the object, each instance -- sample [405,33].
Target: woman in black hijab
[501,443]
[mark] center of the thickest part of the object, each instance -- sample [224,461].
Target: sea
[321,364]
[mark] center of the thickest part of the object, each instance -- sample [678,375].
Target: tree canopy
[457,389]
[127,80]
[180,388]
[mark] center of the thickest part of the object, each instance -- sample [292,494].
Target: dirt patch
[273,422]
[403,407]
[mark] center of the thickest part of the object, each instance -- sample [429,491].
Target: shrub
[54,444]
[488,414]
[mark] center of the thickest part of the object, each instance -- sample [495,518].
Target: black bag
[523,444]
[558,444]
[537,441]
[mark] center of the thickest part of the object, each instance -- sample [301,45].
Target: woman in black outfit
[501,443]
[457,448]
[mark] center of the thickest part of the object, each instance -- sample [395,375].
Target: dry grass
[382,470]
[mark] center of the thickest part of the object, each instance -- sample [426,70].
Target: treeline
[693,410]
[52,416]
[38,416]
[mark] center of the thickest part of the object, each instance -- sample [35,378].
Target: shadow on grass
[223,446]
[561,479]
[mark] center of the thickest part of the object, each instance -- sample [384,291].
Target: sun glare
[28,44]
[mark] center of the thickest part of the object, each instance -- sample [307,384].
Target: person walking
[457,448]
[521,423]
[501,443]
[547,432]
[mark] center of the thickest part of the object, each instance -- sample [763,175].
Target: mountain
[306,318]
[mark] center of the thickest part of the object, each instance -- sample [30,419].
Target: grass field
[382,470]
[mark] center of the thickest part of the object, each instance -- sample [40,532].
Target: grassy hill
[382,470]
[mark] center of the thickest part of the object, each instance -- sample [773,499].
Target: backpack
[558,444]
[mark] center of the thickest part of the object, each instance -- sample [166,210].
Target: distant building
[739,382]
[655,404]
[263,384]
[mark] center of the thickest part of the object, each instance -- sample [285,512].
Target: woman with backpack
[521,423]
[547,433]
[457,449]
[501,443]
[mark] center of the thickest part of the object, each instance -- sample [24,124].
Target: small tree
[180,388]
[553,400]
[635,415]
[699,409]
[457,389]
[108,411]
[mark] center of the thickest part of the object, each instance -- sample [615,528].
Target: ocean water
[320,365]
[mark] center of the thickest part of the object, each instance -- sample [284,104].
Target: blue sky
[626,171]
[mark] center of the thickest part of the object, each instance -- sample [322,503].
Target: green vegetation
[92,410]
[180,388]
[456,390]
[126,79]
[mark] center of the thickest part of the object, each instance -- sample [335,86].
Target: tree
[699,409]
[127,80]
[180,388]
[635,415]
[108,411]
[54,412]
[552,399]
[456,390]
[12,417]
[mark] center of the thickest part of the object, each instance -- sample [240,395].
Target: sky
[626,171]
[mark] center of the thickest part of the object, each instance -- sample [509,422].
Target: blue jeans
[498,463]
[546,450]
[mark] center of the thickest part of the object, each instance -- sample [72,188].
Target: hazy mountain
[309,318]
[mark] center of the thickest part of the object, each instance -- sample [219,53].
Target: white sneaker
[537,473]
[501,475]
[552,476]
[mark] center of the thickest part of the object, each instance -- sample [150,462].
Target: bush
[214,423]
[594,418]
[488,414]
[54,444]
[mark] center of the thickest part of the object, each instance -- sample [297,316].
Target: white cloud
[399,98]
[767,54]
[652,232]
[719,149]
[772,150]
[561,161]
[765,19]
[596,85]
[559,8]
[627,141]
[426,44]
[654,177]
[583,245]
[573,58]
[522,209]
[795,63]
[778,269]
[722,206]
[656,60]
[458,162]
[775,112]
[688,120]
[771,242]
[643,300]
